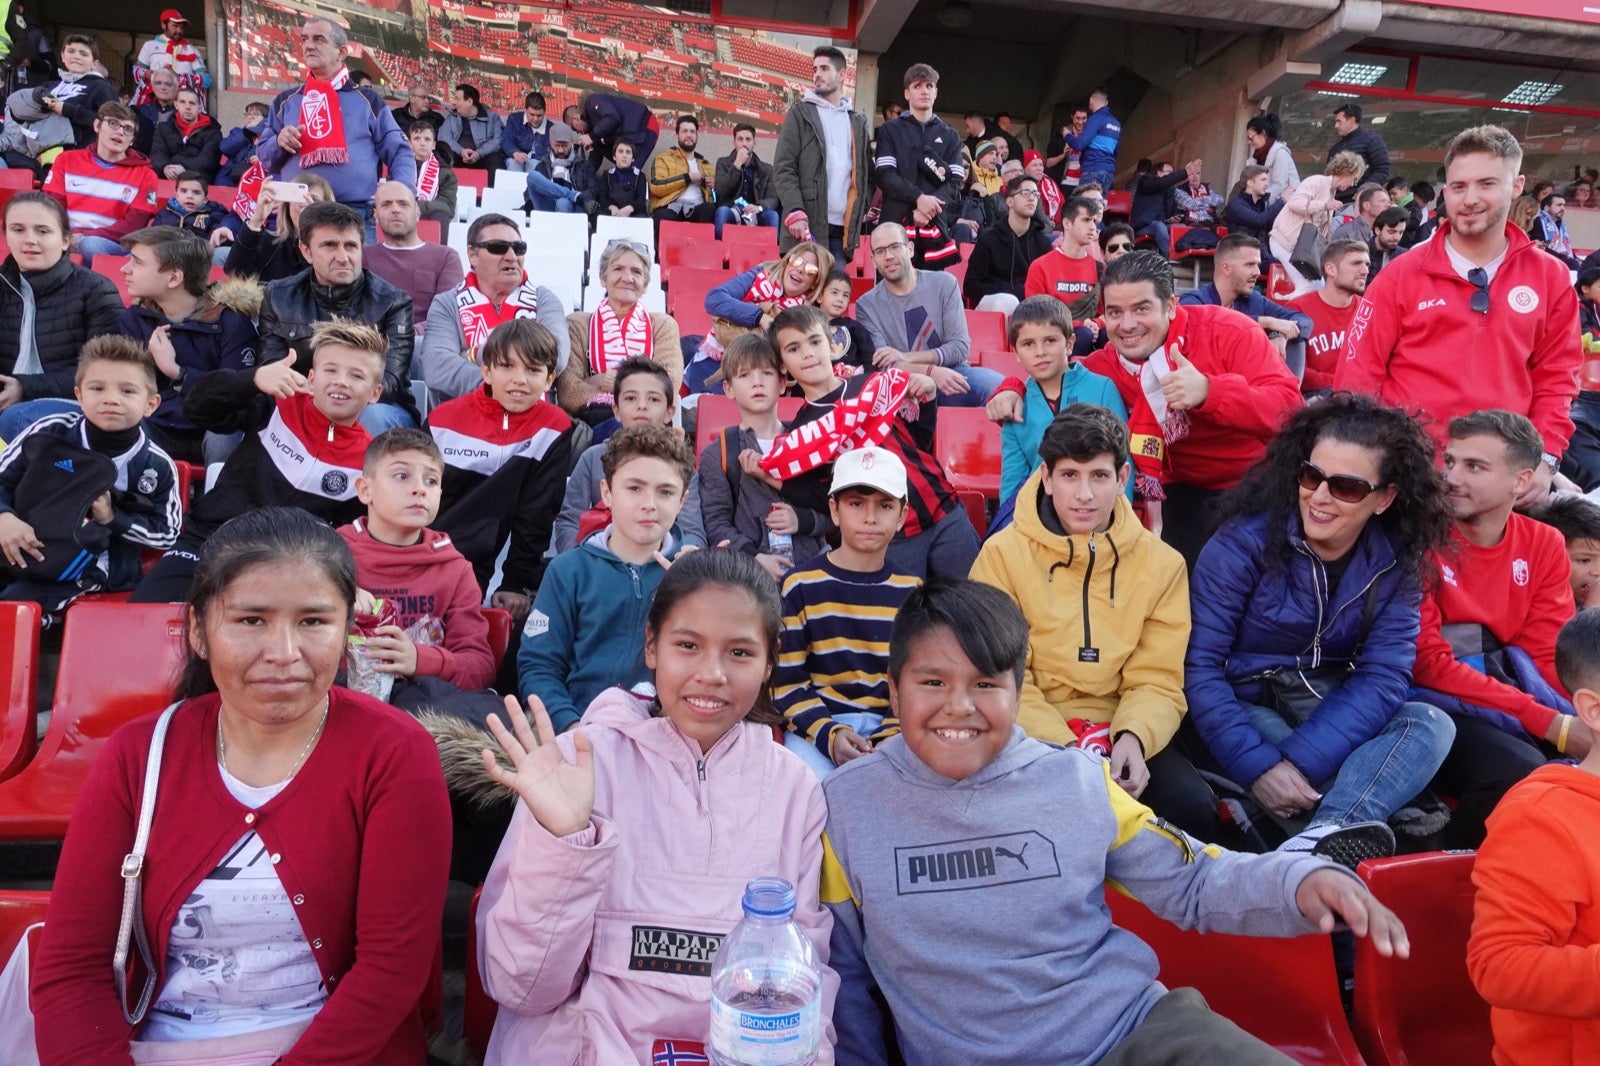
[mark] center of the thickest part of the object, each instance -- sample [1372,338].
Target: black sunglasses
[1119,246]
[502,247]
[1479,278]
[1347,488]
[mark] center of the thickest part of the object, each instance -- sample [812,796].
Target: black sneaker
[1346,845]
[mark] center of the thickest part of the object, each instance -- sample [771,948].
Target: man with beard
[1478,310]
[405,260]
[681,179]
[820,166]
[1387,230]
[1345,269]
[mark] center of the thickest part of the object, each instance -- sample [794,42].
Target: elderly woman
[1312,202]
[617,330]
[296,864]
[1306,608]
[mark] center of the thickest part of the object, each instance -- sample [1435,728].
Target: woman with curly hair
[1306,609]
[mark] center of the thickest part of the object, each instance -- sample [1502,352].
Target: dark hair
[649,367]
[624,142]
[1075,206]
[521,340]
[1084,187]
[469,92]
[920,72]
[1268,125]
[1547,199]
[1039,311]
[1391,216]
[729,569]
[120,112]
[1233,242]
[1115,229]
[1016,183]
[1578,651]
[1349,111]
[1137,267]
[534,99]
[44,200]
[191,175]
[260,107]
[1423,191]
[190,89]
[749,351]
[117,348]
[835,275]
[987,624]
[1397,182]
[801,319]
[650,440]
[479,224]
[1416,524]
[686,117]
[1084,431]
[1334,251]
[88,42]
[255,538]
[973,114]
[744,127]
[411,127]
[1523,443]
[400,439]
[328,214]
[175,249]
[1574,517]
[831,54]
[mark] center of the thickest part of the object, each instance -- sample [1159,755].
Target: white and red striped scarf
[428,179]
[612,341]
[1052,199]
[479,316]
[861,421]
[763,290]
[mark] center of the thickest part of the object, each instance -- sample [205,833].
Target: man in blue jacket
[1097,143]
[525,138]
[604,119]
[1237,269]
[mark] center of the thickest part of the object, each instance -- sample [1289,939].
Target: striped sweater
[104,199]
[833,655]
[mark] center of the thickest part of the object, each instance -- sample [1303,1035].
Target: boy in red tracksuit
[108,189]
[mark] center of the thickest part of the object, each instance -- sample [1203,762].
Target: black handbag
[1296,692]
[1306,256]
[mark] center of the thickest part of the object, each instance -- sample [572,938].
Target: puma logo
[1008,853]
[958,865]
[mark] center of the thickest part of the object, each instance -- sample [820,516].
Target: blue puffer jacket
[1249,620]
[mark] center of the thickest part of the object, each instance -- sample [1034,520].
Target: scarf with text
[244,201]
[1051,192]
[1152,425]
[763,290]
[428,179]
[479,315]
[613,340]
[322,140]
[860,421]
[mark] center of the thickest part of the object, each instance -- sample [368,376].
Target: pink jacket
[1310,201]
[597,944]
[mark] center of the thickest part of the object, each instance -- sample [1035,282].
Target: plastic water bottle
[766,993]
[780,544]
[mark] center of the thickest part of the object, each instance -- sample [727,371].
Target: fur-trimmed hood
[242,295]
[461,747]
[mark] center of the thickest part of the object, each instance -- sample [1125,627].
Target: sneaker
[1346,845]
[1424,816]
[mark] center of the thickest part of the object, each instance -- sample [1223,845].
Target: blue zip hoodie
[585,632]
[1019,441]
[1097,144]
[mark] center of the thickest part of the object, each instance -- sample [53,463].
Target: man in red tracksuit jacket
[1226,395]
[1476,316]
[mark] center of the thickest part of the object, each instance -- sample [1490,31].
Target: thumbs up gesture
[1185,387]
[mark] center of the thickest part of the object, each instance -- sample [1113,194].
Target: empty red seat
[977,509]
[967,445]
[1283,991]
[761,240]
[1005,363]
[742,257]
[499,631]
[713,414]
[19,647]
[18,910]
[118,662]
[166,188]
[479,1011]
[688,251]
[686,298]
[986,331]
[1422,1011]
[430,230]
[861,261]
[16,178]
[110,266]
[476,179]
[1119,201]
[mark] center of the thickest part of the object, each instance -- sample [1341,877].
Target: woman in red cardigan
[295,876]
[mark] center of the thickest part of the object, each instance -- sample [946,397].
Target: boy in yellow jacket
[1107,605]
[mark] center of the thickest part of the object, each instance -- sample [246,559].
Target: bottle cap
[769,897]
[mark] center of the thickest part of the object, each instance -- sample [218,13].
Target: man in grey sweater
[965,865]
[916,322]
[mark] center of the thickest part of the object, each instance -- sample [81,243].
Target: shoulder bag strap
[132,924]
[1369,611]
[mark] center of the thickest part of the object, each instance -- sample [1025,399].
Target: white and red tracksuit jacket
[104,199]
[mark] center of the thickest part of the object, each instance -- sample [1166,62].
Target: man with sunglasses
[1477,310]
[496,290]
[108,189]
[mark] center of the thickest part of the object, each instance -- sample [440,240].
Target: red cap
[1029,156]
[172,14]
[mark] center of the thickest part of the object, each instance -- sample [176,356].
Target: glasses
[809,269]
[1119,246]
[632,246]
[119,127]
[891,247]
[1026,192]
[1479,278]
[502,247]
[1346,488]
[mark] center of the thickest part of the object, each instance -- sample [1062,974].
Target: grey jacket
[988,893]
[439,361]
[800,174]
[486,129]
[583,492]
[742,520]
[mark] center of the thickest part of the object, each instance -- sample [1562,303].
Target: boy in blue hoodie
[988,821]
[189,210]
[585,632]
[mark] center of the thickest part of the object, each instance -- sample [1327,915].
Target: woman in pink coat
[637,832]
[1315,200]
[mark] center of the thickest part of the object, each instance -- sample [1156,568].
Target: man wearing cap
[561,180]
[171,50]
[333,128]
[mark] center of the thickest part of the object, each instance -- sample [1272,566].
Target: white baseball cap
[869,468]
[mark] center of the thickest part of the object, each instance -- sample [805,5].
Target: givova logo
[977,862]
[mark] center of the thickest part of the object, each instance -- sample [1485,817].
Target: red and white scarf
[763,290]
[322,140]
[479,316]
[428,179]
[244,201]
[1052,199]
[860,421]
[613,340]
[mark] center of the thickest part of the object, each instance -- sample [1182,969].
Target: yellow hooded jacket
[1108,616]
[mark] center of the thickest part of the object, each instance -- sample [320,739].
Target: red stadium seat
[476,179]
[166,188]
[977,510]
[430,230]
[742,257]
[682,233]
[1004,362]
[18,910]
[217,274]
[861,262]
[713,413]
[479,1011]
[1283,991]
[859,287]
[1194,255]
[762,241]
[499,631]
[110,266]
[19,645]
[118,662]
[967,445]
[18,179]
[222,194]
[686,298]
[958,270]
[1422,1011]
[986,330]
[694,252]
[1119,202]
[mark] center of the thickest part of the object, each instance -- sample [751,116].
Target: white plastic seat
[610,227]
[509,179]
[555,233]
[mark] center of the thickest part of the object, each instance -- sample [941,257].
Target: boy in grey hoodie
[990,823]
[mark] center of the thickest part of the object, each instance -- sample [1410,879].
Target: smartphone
[288,192]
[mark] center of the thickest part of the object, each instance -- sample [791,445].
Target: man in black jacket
[337,286]
[743,176]
[1005,249]
[920,170]
[187,140]
[1153,206]
[1364,143]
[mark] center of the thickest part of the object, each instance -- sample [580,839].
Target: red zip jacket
[1415,341]
[429,578]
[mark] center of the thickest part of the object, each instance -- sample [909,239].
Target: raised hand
[558,793]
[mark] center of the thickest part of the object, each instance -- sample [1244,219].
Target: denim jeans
[547,195]
[1158,232]
[19,416]
[89,247]
[725,215]
[983,382]
[1103,178]
[1379,776]
[381,416]
[863,722]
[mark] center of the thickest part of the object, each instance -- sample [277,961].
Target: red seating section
[977,510]
[18,910]
[715,412]
[686,298]
[16,179]
[986,331]
[688,244]
[19,644]
[110,266]
[430,230]
[1422,1011]
[477,179]
[479,1013]
[1283,991]
[1004,362]
[118,662]
[967,445]
[499,631]
[1119,202]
